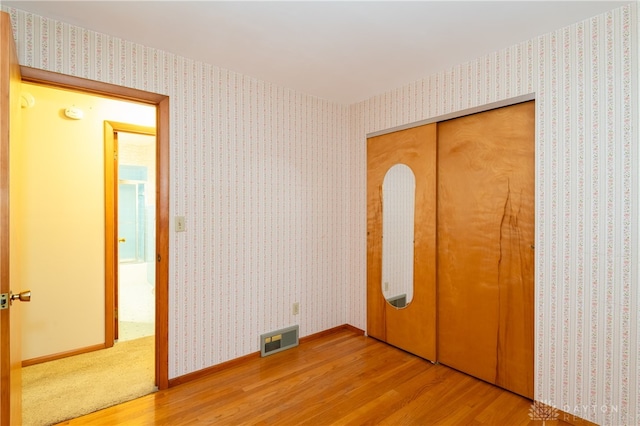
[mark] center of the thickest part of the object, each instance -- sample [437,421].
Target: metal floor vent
[279,340]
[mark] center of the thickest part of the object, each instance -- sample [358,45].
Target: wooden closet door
[485,246]
[412,328]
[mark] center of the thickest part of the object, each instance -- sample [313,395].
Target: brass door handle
[6,299]
[122,240]
[23,296]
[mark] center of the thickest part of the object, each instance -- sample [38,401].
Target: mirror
[398,209]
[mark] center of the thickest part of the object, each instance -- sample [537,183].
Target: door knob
[23,296]
[122,240]
[6,299]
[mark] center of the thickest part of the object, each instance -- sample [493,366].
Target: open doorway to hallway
[63,252]
[59,162]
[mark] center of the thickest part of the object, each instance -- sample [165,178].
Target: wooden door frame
[111,284]
[161,102]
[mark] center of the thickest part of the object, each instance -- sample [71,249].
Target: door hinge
[4,301]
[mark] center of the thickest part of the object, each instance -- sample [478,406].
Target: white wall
[272,183]
[585,80]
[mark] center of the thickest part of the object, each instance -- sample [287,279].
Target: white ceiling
[343,51]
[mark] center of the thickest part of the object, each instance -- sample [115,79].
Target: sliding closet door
[411,327]
[485,246]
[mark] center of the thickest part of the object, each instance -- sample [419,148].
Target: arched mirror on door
[398,213]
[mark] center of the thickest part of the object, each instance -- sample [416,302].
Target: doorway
[62,254]
[62,172]
[134,194]
[161,103]
[130,170]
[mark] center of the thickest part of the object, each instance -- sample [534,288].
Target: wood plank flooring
[340,378]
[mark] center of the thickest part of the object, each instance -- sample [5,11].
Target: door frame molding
[161,102]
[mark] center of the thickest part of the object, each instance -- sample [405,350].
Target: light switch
[180,224]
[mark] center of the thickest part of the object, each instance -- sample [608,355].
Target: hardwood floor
[338,378]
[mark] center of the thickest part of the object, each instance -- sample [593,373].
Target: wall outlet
[295,309]
[386,286]
[180,224]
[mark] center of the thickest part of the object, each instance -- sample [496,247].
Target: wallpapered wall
[272,183]
[585,79]
[260,173]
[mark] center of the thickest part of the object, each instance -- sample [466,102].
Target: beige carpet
[67,388]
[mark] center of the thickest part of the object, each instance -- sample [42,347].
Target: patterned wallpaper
[272,183]
[585,80]
[261,174]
